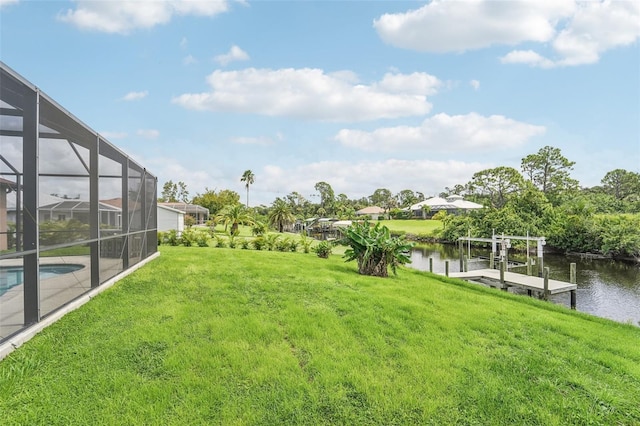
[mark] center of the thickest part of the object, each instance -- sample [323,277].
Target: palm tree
[234,215]
[280,215]
[248,178]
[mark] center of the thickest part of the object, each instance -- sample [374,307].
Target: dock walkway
[511,279]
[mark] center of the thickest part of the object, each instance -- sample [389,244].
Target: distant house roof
[187,208]
[452,202]
[370,210]
[169,209]
[76,205]
[115,202]
[7,183]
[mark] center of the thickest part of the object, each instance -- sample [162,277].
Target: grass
[416,227]
[221,336]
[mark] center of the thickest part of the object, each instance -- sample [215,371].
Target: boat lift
[502,255]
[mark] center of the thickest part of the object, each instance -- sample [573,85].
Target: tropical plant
[270,241]
[280,215]
[323,249]
[305,242]
[220,241]
[259,228]
[259,243]
[234,215]
[375,249]
[248,178]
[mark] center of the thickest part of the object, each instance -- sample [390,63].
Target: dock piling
[446,268]
[572,280]
[545,294]
[431,264]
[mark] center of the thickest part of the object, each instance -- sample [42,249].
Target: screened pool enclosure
[75,211]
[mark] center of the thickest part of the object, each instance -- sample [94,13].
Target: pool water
[11,276]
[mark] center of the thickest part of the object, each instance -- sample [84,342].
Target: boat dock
[504,280]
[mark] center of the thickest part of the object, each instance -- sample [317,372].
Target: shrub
[305,242]
[323,249]
[188,237]
[202,238]
[259,243]
[245,244]
[160,238]
[271,240]
[220,241]
[375,249]
[171,238]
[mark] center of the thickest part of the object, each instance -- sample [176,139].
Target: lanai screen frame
[33,121]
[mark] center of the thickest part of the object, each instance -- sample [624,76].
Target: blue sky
[360,94]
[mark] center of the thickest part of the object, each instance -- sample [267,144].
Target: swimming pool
[11,276]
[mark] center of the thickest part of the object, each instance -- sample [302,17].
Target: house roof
[187,208]
[452,202]
[7,183]
[371,210]
[167,208]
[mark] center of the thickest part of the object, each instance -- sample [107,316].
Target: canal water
[606,288]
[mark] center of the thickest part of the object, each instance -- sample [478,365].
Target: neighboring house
[374,212]
[169,219]
[452,204]
[6,186]
[63,210]
[198,213]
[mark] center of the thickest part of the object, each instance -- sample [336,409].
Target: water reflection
[605,288]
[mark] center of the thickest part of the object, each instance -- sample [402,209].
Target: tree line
[540,199]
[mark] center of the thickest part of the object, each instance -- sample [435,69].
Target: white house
[170,218]
[452,204]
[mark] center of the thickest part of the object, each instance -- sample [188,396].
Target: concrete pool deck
[58,296]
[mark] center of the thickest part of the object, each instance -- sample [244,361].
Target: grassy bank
[222,336]
[415,227]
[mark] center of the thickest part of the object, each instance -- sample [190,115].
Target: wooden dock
[492,278]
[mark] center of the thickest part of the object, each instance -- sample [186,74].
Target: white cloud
[189,59]
[184,43]
[134,96]
[577,32]
[475,84]
[445,26]
[418,83]
[443,132]
[312,94]
[261,140]
[234,54]
[361,179]
[124,16]
[528,57]
[7,2]
[148,133]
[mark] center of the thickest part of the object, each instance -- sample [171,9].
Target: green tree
[216,201]
[549,170]
[327,196]
[248,178]
[495,186]
[174,192]
[234,215]
[621,183]
[407,198]
[280,215]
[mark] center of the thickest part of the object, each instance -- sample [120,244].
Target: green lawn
[220,336]
[414,226]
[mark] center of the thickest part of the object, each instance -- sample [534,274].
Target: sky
[359,94]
